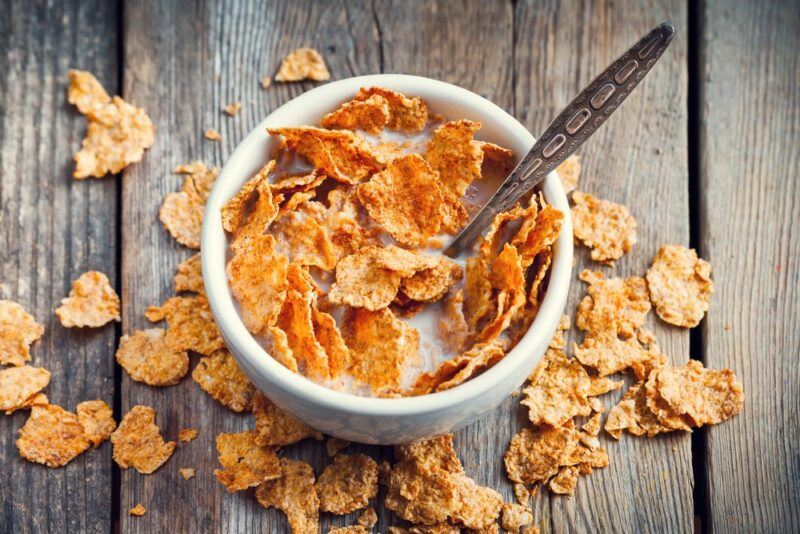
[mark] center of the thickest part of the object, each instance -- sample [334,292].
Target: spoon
[574,125]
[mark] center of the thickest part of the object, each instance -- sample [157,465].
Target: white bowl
[370,420]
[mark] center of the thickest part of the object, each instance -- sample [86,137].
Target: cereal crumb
[187,434]
[266,82]
[233,108]
[303,64]
[138,510]
[212,135]
[187,472]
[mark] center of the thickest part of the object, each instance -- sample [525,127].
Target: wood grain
[750,208]
[639,158]
[52,229]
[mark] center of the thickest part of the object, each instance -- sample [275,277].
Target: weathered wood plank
[639,158]
[184,61]
[749,207]
[53,229]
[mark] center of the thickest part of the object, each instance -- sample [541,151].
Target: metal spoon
[574,125]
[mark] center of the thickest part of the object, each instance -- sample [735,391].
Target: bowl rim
[244,345]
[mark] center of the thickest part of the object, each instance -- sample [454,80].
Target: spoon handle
[574,125]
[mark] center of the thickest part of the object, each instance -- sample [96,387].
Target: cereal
[330,338]
[266,82]
[293,493]
[406,114]
[274,427]
[338,153]
[232,109]
[303,64]
[235,209]
[276,343]
[246,463]
[212,135]
[570,171]
[680,285]
[296,320]
[537,234]
[453,327]
[91,303]
[138,510]
[429,285]
[191,325]
[633,415]
[420,496]
[368,518]
[381,348]
[609,354]
[97,420]
[18,384]
[478,506]
[220,376]
[300,182]
[18,330]
[370,115]
[181,212]
[347,484]
[303,239]
[117,133]
[147,356]
[617,305]
[515,516]
[405,200]
[523,494]
[352,529]
[38,399]
[565,481]
[535,455]
[558,342]
[189,276]
[187,472]
[51,436]
[138,443]
[607,228]
[334,445]
[451,373]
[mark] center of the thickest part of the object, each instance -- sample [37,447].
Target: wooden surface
[704,153]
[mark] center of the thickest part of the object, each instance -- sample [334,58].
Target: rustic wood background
[706,153]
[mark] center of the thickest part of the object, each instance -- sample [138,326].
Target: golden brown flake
[680,285]
[607,228]
[303,64]
[523,494]
[266,82]
[187,434]
[187,472]
[419,495]
[515,516]
[429,285]
[570,172]
[431,454]
[97,420]
[38,399]
[352,529]
[368,518]
[347,484]
[191,324]
[300,182]
[369,115]
[138,510]
[331,339]
[478,506]
[406,114]
[18,384]
[220,376]
[181,212]
[51,436]
[189,276]
[338,153]
[138,443]
[276,343]
[255,194]
[405,200]
[274,427]
[633,415]
[535,455]
[18,330]
[117,133]
[453,327]
[293,493]
[565,481]
[302,237]
[148,357]
[558,342]
[297,321]
[609,354]
[456,371]
[212,135]
[91,303]
[245,463]
[617,305]
[233,108]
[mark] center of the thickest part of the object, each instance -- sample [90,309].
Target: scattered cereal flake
[302,238]
[212,135]
[347,484]
[18,330]
[456,371]
[51,436]
[419,495]
[257,278]
[558,391]
[515,516]
[181,213]
[633,415]
[558,342]
[617,305]
[352,529]
[187,434]
[191,324]
[293,493]
[138,510]
[565,481]
[609,354]
[569,172]
[429,285]
[534,455]
[245,463]
[431,454]
[189,276]
[220,376]
[592,426]
[233,108]
[523,494]
[453,327]
[92,302]
[605,227]
[407,114]
[148,357]
[303,64]
[369,115]
[234,210]
[680,285]
[266,82]
[405,200]
[274,427]
[117,133]
[37,399]
[381,348]
[18,384]
[97,419]
[478,506]
[368,518]
[138,443]
[334,445]
[338,153]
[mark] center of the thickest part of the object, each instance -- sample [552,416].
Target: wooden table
[706,153]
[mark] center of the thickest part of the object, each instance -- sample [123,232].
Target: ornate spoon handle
[574,125]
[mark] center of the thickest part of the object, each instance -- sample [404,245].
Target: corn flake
[181,213]
[18,330]
[369,115]
[91,303]
[296,320]
[421,496]
[191,324]
[149,357]
[609,354]
[220,376]
[406,114]
[429,285]
[347,484]
[97,419]
[293,493]
[431,454]
[232,109]
[453,327]
[617,305]
[478,506]
[458,370]
[187,434]
[363,282]
[515,516]
[303,64]
[565,481]
[368,518]
[245,463]
[51,436]
[274,427]
[330,338]
[187,472]
[680,285]
[607,228]
[138,443]
[535,455]
[138,510]
[235,209]
[302,237]
[189,276]
[633,415]
[570,171]
[212,135]
[18,384]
